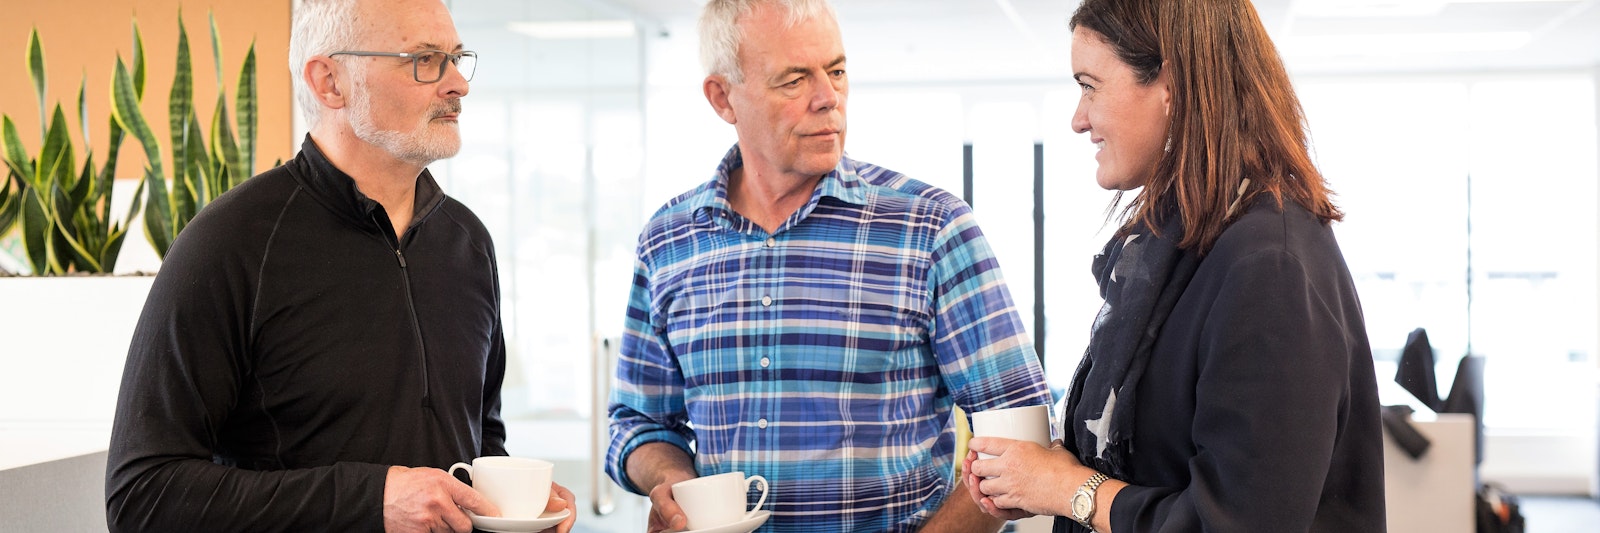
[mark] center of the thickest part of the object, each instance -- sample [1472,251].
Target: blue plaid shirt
[824,357]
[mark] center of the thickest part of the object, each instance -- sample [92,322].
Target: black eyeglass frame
[416,72]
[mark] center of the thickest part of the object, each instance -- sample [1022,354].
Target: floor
[1560,514]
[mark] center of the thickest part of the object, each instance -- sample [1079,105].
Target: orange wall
[82,39]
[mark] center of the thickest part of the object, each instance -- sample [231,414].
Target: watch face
[1082,505]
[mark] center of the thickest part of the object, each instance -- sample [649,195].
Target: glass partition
[552,162]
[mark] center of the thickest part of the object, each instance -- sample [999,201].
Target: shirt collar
[842,183]
[338,190]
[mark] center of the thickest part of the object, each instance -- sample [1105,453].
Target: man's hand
[665,515]
[429,500]
[655,467]
[561,498]
[959,514]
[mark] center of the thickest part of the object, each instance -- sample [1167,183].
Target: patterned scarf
[1141,277]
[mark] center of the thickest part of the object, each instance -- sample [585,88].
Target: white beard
[421,147]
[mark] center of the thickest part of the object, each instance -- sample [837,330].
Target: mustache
[449,107]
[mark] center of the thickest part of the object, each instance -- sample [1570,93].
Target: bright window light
[576,29]
[1405,43]
[1388,8]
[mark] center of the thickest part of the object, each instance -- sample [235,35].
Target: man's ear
[322,76]
[717,89]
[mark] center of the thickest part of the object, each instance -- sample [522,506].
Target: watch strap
[1088,490]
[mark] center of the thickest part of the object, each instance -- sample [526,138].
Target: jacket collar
[337,190]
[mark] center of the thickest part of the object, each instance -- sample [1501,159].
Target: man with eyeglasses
[325,337]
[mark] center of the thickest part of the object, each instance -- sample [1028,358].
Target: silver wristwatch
[1083,500]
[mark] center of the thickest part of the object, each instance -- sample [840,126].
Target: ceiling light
[576,29]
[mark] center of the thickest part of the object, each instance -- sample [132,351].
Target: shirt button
[766,301]
[771,242]
[765,362]
[761,423]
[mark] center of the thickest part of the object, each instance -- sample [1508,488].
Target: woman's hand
[983,501]
[1022,479]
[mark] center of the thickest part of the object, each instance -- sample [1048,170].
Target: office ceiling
[1000,41]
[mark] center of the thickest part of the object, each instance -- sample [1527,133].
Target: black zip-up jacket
[292,349]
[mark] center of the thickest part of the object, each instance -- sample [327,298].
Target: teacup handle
[764,487]
[463,466]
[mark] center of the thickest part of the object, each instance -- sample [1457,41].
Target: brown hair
[1234,113]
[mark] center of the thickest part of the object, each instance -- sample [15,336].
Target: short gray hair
[320,27]
[720,35]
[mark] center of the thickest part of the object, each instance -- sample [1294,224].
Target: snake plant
[63,208]
[64,213]
[202,167]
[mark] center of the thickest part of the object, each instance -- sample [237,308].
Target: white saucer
[518,525]
[743,526]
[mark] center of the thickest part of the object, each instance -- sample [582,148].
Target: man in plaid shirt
[807,317]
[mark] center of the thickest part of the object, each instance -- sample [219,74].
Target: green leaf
[83,186]
[35,233]
[138,61]
[180,103]
[83,113]
[248,117]
[36,71]
[157,213]
[216,50]
[194,192]
[133,210]
[125,108]
[15,171]
[111,249]
[6,194]
[224,150]
[17,158]
[11,193]
[56,154]
[223,177]
[74,250]
[107,175]
[10,202]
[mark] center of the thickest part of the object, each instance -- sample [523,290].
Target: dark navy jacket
[1259,409]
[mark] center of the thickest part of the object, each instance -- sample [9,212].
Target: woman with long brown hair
[1228,384]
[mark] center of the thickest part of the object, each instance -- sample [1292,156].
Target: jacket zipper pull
[402,257]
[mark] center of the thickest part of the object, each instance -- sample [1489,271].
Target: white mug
[519,487]
[717,500]
[1030,423]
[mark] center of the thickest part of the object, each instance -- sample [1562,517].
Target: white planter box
[63,342]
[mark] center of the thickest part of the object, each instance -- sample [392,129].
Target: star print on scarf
[1146,275]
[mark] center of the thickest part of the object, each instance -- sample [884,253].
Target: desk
[1436,492]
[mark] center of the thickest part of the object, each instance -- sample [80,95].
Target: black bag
[1498,511]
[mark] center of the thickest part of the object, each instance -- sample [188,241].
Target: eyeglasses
[428,66]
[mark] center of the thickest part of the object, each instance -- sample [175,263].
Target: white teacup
[1030,423]
[717,500]
[519,487]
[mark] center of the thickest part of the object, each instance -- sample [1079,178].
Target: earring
[1168,148]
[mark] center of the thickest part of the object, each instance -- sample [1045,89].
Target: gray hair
[320,27]
[720,35]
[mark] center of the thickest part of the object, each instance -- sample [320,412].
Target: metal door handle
[601,490]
